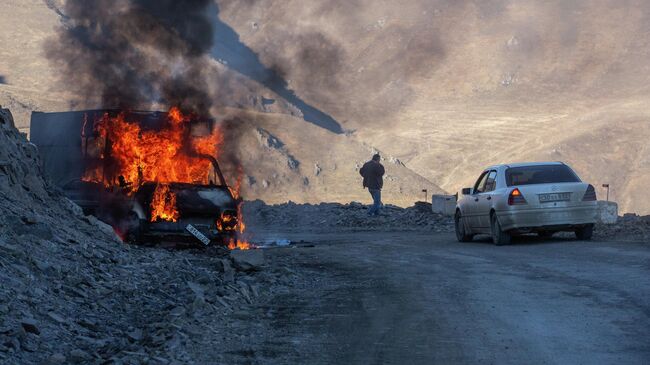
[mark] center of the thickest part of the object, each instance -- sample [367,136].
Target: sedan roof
[524,164]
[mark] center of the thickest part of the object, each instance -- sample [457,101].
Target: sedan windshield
[541,174]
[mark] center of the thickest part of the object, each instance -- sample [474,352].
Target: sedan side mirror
[467,191]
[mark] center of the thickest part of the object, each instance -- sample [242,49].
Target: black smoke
[135,54]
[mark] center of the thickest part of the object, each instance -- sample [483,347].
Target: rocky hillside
[312,166]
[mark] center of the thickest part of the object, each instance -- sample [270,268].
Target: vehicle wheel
[499,237]
[545,234]
[461,235]
[585,233]
[226,237]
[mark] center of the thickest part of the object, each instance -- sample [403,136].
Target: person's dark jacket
[372,173]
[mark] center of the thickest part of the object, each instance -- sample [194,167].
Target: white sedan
[542,198]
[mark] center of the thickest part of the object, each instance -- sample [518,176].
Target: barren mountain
[450,87]
[444,87]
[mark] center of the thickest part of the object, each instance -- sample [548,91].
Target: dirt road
[389,298]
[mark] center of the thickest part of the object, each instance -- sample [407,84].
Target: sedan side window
[479,187]
[491,182]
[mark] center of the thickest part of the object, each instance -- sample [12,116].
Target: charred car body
[71,147]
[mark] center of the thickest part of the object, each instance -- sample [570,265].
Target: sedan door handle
[475,199]
[489,198]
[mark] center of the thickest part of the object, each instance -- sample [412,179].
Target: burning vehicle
[150,175]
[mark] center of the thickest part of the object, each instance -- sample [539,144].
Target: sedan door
[474,200]
[485,201]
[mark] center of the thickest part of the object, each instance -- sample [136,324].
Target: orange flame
[238,244]
[163,204]
[168,155]
[165,156]
[226,222]
[129,156]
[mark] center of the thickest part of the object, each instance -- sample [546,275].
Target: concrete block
[443,204]
[607,212]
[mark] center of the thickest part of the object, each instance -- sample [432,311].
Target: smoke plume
[135,54]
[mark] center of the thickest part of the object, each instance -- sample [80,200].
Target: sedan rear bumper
[547,217]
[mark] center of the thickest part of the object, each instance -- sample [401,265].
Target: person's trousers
[376,201]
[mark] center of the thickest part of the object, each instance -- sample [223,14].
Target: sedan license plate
[554,197]
[196,233]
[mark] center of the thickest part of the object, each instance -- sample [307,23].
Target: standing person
[373,172]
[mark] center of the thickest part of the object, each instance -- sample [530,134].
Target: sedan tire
[545,234]
[499,237]
[461,233]
[585,233]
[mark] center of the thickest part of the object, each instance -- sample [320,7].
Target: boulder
[29,325]
[247,260]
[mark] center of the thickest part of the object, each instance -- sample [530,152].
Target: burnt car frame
[63,139]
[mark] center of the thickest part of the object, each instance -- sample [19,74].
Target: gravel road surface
[416,298]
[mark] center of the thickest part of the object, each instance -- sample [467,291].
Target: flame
[164,156]
[128,156]
[241,226]
[226,222]
[234,190]
[163,204]
[239,245]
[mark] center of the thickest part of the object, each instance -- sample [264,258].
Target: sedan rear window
[542,174]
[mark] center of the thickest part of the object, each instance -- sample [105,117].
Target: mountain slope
[447,87]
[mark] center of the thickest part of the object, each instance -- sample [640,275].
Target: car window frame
[494,186]
[480,182]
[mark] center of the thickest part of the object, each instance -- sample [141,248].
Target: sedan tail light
[516,198]
[590,194]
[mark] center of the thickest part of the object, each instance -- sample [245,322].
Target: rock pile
[353,216]
[72,293]
[630,227]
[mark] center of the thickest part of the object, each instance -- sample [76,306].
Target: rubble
[248,260]
[352,216]
[629,227]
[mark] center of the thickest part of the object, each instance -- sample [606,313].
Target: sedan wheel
[545,234]
[585,233]
[499,237]
[461,234]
